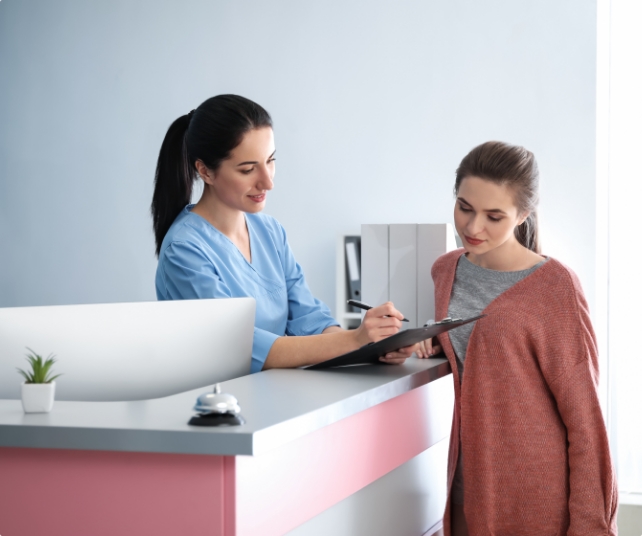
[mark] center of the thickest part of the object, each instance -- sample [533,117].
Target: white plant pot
[38,397]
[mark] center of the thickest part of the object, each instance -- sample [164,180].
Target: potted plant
[39,386]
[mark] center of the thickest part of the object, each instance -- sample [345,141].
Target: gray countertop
[278,406]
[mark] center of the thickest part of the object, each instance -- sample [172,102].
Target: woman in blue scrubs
[224,247]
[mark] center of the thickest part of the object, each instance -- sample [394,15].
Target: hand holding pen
[367,307]
[378,323]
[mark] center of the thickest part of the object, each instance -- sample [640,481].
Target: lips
[257,198]
[473,241]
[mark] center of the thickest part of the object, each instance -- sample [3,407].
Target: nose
[265,179]
[475,225]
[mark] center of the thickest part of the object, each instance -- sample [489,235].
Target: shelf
[347,319]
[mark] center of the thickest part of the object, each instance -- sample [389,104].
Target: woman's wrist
[360,336]
[333,329]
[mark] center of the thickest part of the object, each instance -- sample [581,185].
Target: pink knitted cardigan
[536,453]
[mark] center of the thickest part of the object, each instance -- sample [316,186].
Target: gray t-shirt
[473,290]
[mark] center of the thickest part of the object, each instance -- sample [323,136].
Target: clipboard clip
[447,320]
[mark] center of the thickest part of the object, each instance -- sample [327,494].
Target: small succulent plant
[40,368]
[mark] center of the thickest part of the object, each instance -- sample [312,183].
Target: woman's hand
[428,348]
[381,322]
[378,323]
[398,357]
[423,349]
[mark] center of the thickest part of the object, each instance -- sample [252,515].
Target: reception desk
[353,451]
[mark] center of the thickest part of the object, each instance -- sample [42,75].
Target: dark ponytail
[209,134]
[174,179]
[515,167]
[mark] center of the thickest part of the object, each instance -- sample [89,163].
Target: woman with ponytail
[528,450]
[223,246]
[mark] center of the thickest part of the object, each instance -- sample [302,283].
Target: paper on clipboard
[373,351]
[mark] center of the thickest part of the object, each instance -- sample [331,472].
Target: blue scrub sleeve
[261,345]
[306,314]
[187,274]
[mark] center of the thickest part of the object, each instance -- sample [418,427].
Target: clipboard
[370,353]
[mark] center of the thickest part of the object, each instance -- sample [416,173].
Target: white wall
[374,105]
[625,286]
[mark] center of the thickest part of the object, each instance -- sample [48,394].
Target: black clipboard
[370,353]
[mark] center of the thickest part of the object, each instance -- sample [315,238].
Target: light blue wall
[374,104]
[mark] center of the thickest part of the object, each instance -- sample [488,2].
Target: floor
[629,520]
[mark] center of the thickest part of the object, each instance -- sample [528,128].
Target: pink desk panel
[99,493]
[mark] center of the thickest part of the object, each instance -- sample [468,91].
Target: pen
[365,307]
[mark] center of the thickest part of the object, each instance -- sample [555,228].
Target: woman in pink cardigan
[529,453]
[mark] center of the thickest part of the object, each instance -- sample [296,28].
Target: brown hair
[515,167]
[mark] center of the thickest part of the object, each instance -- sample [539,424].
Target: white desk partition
[129,351]
[396,260]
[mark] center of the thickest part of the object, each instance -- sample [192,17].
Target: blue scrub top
[198,261]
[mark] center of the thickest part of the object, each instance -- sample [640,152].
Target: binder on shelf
[396,264]
[353,269]
[403,270]
[375,282]
[433,240]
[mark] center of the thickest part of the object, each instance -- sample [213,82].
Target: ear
[205,173]
[524,217]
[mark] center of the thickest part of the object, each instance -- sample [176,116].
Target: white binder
[396,260]
[374,256]
[403,270]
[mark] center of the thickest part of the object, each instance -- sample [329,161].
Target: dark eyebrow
[494,210]
[254,161]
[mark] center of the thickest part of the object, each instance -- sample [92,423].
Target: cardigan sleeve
[593,491]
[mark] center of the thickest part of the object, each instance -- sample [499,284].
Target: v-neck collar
[250,232]
[443,307]
[250,236]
